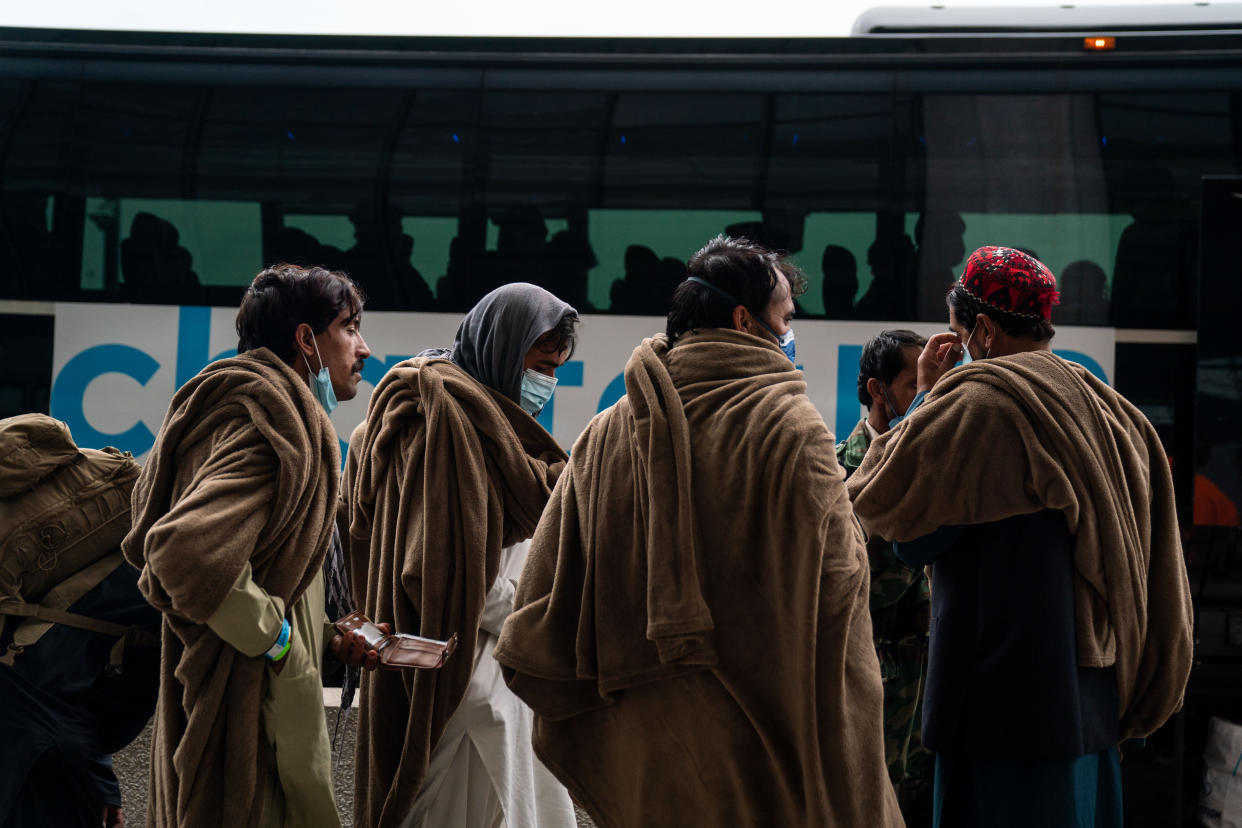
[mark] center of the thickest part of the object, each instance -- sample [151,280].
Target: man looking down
[446,479]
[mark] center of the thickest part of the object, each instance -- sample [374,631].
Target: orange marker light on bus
[1099,44]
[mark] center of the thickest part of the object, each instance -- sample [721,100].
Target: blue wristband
[281,647]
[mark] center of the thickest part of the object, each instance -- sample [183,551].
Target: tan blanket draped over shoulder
[444,474]
[691,627]
[244,469]
[1020,434]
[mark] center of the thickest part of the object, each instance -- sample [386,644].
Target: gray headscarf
[493,338]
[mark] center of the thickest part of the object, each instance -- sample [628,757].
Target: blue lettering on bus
[193,340]
[614,391]
[848,359]
[79,372]
[569,375]
[192,355]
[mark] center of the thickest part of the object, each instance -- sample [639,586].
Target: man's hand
[940,354]
[353,650]
[113,816]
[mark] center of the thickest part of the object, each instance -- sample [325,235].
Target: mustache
[358,366]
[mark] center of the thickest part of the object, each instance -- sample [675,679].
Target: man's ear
[303,340]
[741,319]
[873,388]
[990,329]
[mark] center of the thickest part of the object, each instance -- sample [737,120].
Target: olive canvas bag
[63,513]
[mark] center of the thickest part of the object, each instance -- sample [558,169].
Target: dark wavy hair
[563,335]
[966,308]
[882,358]
[737,266]
[284,296]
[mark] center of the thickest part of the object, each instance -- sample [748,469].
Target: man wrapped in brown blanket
[1044,502]
[233,513]
[692,627]
[447,475]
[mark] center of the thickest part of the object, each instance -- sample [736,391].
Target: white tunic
[483,772]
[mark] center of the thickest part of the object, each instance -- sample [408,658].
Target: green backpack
[63,514]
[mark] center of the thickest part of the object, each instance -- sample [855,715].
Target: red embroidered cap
[1011,282]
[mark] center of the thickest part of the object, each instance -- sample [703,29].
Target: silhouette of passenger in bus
[451,288]
[380,262]
[567,261]
[767,233]
[840,282]
[631,293]
[1084,294]
[649,282]
[891,293]
[26,248]
[295,246]
[1155,254]
[154,266]
[938,234]
[670,273]
[519,251]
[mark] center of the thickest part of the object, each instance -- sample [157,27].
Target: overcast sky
[615,18]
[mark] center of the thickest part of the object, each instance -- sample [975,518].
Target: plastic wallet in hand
[399,649]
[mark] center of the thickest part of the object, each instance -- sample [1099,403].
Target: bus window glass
[295,145]
[642,254]
[841,255]
[1102,187]
[335,231]
[1035,155]
[1078,248]
[831,152]
[376,248]
[431,237]
[168,250]
[37,120]
[699,152]
[135,140]
[1157,148]
[432,153]
[540,147]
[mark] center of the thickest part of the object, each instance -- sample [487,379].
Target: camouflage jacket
[900,618]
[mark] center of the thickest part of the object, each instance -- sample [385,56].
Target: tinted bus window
[430,197]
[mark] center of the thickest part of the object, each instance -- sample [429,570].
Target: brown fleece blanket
[691,627]
[244,469]
[1019,434]
[447,473]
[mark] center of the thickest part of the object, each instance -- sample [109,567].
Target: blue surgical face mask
[321,383]
[537,389]
[893,416]
[966,357]
[786,342]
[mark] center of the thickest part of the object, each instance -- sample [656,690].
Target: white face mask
[537,389]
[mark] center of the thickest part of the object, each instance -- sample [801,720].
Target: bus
[145,177]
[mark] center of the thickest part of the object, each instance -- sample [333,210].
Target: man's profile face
[343,350]
[905,385]
[780,310]
[955,325]
[544,358]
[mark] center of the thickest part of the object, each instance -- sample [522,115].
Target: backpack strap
[52,610]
